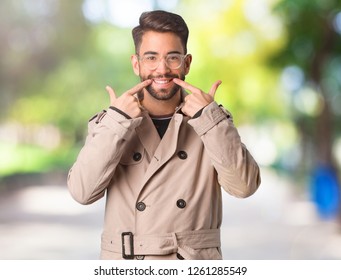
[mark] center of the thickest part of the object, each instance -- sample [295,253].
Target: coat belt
[184,243]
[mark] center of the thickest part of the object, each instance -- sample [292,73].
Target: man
[161,155]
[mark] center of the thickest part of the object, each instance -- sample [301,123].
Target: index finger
[138,87]
[111,93]
[186,85]
[214,88]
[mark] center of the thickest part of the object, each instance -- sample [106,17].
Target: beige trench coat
[163,197]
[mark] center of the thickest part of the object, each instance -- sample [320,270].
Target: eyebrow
[152,52]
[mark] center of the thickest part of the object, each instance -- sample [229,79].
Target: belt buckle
[131,243]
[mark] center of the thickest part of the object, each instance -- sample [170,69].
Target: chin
[163,95]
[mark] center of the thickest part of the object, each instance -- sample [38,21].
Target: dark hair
[160,21]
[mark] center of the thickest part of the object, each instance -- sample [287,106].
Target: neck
[157,107]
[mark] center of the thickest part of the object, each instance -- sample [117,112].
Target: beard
[163,94]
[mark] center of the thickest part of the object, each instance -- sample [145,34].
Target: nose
[162,67]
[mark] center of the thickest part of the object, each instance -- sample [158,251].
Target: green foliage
[75,90]
[309,26]
[236,52]
[313,46]
[29,158]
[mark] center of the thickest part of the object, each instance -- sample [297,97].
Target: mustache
[167,76]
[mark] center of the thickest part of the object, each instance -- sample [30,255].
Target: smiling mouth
[162,81]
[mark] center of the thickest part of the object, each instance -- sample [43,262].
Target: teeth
[161,81]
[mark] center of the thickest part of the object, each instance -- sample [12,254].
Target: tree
[36,36]
[313,48]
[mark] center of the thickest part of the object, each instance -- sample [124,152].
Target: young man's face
[159,45]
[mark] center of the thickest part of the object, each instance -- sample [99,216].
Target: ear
[187,62]
[135,64]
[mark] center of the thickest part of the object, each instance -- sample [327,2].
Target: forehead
[162,43]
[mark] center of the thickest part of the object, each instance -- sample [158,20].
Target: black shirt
[161,124]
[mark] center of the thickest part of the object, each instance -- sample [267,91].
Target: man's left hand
[198,99]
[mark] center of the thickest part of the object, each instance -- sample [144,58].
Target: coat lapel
[148,135]
[160,151]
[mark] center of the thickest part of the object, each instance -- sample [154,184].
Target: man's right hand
[127,102]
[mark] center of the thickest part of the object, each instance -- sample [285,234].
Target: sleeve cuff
[211,115]
[119,111]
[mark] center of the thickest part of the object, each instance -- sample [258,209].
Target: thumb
[214,88]
[112,94]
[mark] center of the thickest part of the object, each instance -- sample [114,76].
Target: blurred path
[278,222]
[44,222]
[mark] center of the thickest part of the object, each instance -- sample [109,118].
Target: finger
[112,94]
[138,87]
[186,85]
[214,88]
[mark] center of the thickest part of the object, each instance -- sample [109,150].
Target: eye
[150,57]
[173,57]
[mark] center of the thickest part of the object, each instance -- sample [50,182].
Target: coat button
[181,203]
[140,206]
[137,156]
[182,154]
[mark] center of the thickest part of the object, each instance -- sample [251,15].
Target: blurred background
[280,63]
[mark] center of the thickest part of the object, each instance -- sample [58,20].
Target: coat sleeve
[90,175]
[238,172]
